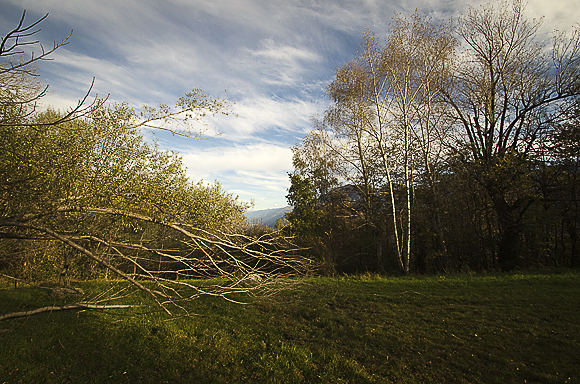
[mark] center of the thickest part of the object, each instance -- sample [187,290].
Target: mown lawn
[504,328]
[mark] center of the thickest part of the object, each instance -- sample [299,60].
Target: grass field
[504,328]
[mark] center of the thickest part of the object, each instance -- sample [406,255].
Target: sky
[272,58]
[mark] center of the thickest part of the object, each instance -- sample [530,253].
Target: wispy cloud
[281,65]
[274,58]
[275,117]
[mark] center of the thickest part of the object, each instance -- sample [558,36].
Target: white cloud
[254,171]
[282,65]
[262,158]
[285,55]
[263,115]
[274,57]
[557,15]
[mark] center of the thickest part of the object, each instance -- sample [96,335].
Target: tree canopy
[447,131]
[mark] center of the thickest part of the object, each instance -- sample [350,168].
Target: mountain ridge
[267,217]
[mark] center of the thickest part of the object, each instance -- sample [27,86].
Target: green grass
[508,328]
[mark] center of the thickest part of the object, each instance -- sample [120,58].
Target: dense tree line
[447,147]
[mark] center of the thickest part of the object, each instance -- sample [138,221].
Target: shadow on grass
[463,329]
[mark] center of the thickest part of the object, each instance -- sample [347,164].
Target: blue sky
[274,58]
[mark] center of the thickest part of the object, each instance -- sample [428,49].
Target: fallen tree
[243,264]
[91,199]
[84,196]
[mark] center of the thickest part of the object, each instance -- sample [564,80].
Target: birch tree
[361,88]
[402,81]
[418,58]
[384,107]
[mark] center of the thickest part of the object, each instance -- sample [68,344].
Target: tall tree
[390,95]
[416,62]
[508,89]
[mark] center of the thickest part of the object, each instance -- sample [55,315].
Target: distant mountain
[267,217]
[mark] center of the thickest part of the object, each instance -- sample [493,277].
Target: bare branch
[63,308]
[99,260]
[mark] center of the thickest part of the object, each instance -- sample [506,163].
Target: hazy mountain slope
[267,216]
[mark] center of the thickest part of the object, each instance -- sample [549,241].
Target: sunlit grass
[512,328]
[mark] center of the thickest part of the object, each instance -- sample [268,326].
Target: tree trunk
[508,247]
[408,188]
[394,213]
[574,240]
[510,229]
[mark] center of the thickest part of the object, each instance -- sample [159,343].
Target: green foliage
[83,195]
[58,176]
[496,328]
[305,217]
[308,223]
[212,207]
[193,107]
[313,159]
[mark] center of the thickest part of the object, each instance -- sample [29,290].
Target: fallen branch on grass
[62,308]
[234,263]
